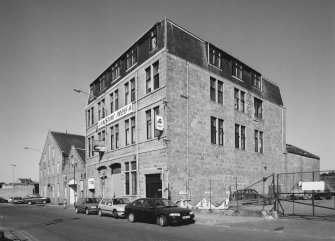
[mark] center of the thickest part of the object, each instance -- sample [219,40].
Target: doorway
[153,185]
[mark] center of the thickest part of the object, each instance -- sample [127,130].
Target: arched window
[115,168]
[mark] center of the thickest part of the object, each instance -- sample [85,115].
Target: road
[48,223]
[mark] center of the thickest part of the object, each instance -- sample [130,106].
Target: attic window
[256,81]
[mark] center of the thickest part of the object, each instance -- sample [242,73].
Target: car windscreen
[121,201]
[163,203]
[92,200]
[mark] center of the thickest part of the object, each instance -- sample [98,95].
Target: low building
[24,187]
[62,167]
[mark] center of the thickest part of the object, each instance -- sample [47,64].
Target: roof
[298,151]
[66,140]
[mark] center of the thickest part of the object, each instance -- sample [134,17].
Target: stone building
[176,116]
[62,167]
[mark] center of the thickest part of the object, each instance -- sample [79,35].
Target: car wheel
[162,221]
[87,212]
[131,217]
[44,201]
[100,213]
[77,211]
[29,203]
[115,215]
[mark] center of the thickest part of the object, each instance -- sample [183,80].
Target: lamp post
[33,149]
[74,164]
[13,165]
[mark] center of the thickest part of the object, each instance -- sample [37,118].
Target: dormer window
[153,39]
[131,57]
[237,70]
[256,81]
[215,57]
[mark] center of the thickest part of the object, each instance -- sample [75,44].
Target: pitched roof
[66,140]
[298,151]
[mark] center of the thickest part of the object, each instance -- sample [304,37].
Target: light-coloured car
[10,199]
[112,206]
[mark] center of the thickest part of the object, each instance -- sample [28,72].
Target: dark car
[251,196]
[87,205]
[159,210]
[3,200]
[34,199]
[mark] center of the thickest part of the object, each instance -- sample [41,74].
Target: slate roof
[66,140]
[298,151]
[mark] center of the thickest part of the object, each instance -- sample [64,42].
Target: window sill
[152,50]
[131,67]
[215,66]
[237,78]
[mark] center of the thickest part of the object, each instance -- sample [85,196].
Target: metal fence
[295,199]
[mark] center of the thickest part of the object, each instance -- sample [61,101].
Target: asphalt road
[48,223]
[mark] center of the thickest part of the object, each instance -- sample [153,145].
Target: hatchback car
[34,199]
[87,205]
[159,210]
[17,200]
[112,206]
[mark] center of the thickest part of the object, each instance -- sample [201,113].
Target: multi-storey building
[62,167]
[175,115]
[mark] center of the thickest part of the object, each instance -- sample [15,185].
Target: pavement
[322,228]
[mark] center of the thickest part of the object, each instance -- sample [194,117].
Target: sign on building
[90,183]
[99,146]
[116,115]
[159,123]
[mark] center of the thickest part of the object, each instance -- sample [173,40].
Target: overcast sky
[49,47]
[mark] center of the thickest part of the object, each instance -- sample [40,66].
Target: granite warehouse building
[174,114]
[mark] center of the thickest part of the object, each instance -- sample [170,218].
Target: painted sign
[90,183]
[313,186]
[115,115]
[159,123]
[99,146]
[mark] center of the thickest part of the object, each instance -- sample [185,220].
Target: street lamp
[30,148]
[74,164]
[13,165]
[84,92]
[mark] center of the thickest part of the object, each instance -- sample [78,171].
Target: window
[240,137]
[237,70]
[148,79]
[92,115]
[133,133]
[112,138]
[156,113]
[116,70]
[116,94]
[213,130]
[212,89]
[258,108]
[258,141]
[131,177]
[153,39]
[88,117]
[239,100]
[101,109]
[127,131]
[215,57]
[116,136]
[90,146]
[148,118]
[221,133]
[220,92]
[126,93]
[132,86]
[217,133]
[111,97]
[155,69]
[256,80]
[131,57]
[216,84]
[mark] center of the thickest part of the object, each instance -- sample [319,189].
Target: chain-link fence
[306,193]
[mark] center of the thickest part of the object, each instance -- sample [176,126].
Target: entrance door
[153,185]
[116,180]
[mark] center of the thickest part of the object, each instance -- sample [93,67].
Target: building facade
[62,167]
[176,117]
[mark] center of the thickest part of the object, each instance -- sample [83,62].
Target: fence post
[210,194]
[313,199]
[236,196]
[273,192]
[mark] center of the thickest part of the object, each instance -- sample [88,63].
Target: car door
[149,210]
[137,209]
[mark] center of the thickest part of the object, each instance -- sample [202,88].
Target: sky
[49,47]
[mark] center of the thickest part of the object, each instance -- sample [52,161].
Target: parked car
[87,205]
[112,206]
[17,200]
[159,210]
[251,196]
[324,195]
[34,199]
[3,200]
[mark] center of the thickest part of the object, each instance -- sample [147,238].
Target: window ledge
[237,78]
[131,67]
[215,66]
